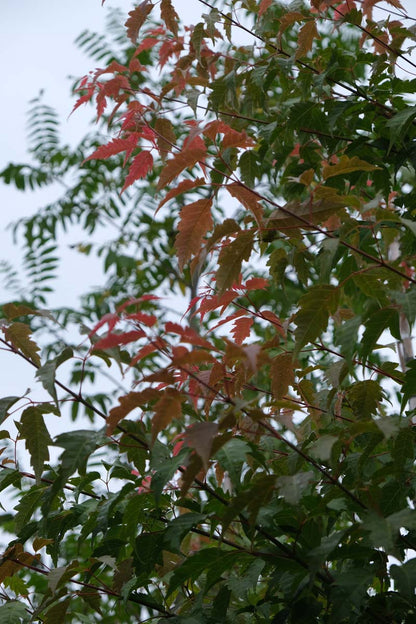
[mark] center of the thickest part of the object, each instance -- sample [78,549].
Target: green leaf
[400,123]
[46,373]
[409,385]
[13,612]
[377,323]
[37,439]
[312,318]
[78,447]
[231,258]
[364,398]
[232,457]
[292,487]
[405,579]
[57,613]
[249,167]
[178,528]
[5,404]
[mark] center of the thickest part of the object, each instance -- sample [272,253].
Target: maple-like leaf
[231,258]
[168,407]
[169,16]
[195,221]
[307,34]
[248,199]
[139,168]
[181,160]
[136,19]
[166,137]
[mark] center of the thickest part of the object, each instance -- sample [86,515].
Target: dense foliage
[247,366]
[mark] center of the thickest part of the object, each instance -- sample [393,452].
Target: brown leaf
[137,19]
[166,136]
[169,16]
[231,258]
[195,222]
[181,160]
[282,375]
[200,437]
[307,34]
[19,335]
[128,403]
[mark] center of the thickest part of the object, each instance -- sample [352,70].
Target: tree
[261,466]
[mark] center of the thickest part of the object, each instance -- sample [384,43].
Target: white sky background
[38,52]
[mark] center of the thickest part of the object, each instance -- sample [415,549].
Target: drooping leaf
[409,385]
[168,407]
[115,147]
[281,374]
[241,329]
[14,611]
[292,487]
[136,19]
[169,16]
[139,168]
[307,34]
[37,439]
[195,222]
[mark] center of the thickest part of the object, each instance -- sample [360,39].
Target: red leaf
[115,340]
[143,352]
[256,283]
[146,44]
[241,329]
[271,316]
[200,437]
[110,318]
[264,5]
[175,166]
[139,168]
[137,19]
[182,187]
[115,147]
[187,334]
[147,319]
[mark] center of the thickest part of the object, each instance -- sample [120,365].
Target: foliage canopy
[254,172]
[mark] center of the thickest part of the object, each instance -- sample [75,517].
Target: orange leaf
[166,409]
[181,161]
[241,329]
[307,34]
[195,221]
[139,168]
[19,335]
[136,19]
[169,16]
[248,199]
